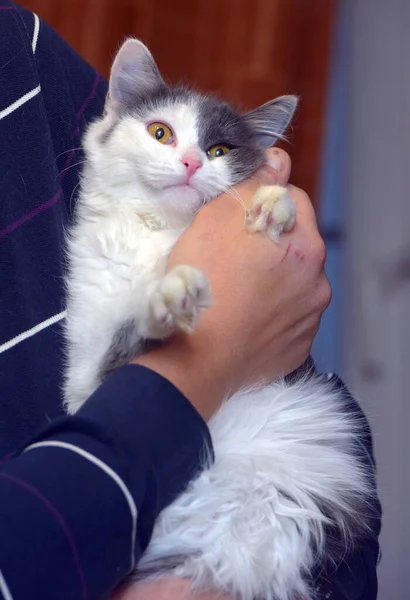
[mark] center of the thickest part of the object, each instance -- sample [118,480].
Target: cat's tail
[286,479]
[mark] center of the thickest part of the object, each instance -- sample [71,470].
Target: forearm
[186,361]
[70,500]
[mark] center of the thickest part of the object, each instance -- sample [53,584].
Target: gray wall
[328,346]
[377,225]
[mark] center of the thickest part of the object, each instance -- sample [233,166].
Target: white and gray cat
[255,521]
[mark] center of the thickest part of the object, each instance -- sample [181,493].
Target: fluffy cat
[254,522]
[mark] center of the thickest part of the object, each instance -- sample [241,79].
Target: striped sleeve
[79,502]
[48,96]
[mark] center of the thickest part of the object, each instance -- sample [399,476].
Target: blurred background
[349,61]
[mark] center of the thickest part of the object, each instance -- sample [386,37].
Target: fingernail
[274,158]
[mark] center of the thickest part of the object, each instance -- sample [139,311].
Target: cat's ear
[270,120]
[134,73]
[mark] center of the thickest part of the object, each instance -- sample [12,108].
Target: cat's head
[172,149]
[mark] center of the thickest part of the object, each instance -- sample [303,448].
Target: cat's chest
[131,245]
[153,248]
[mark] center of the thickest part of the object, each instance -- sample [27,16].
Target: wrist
[184,360]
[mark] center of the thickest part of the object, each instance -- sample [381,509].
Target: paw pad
[271,211]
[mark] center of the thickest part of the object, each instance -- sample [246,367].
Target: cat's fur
[253,523]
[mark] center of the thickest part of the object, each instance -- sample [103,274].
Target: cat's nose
[192,162]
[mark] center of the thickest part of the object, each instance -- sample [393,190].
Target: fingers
[324,296]
[306,217]
[307,243]
[304,205]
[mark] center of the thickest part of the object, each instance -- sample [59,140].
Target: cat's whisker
[235,195]
[73,192]
[68,151]
[71,166]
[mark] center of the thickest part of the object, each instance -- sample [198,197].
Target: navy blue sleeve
[78,503]
[48,95]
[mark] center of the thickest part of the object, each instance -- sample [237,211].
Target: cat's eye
[161,132]
[217,151]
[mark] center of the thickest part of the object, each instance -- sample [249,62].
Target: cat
[255,521]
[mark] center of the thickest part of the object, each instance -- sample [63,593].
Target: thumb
[276,170]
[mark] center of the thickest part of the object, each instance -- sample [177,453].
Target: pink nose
[192,163]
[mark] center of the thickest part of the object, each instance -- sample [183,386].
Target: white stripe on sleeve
[114,476]
[6,111]
[30,332]
[4,588]
[35,32]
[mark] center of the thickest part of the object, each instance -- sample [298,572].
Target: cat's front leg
[176,301]
[271,211]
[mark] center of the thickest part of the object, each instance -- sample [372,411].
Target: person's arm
[77,506]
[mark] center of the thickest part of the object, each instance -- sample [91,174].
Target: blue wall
[328,346]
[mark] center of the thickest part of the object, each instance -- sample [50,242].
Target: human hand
[170,588]
[267,298]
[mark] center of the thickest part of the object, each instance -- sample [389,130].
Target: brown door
[249,51]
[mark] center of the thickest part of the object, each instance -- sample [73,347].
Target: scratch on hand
[286,253]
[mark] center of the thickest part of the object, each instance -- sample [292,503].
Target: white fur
[253,522]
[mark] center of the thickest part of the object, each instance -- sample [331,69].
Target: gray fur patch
[219,123]
[125,346]
[104,137]
[157,567]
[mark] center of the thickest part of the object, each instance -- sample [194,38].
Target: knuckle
[319,300]
[319,252]
[298,194]
[303,196]
[315,253]
[324,296]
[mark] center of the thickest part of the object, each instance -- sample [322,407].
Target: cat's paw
[182,294]
[271,211]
